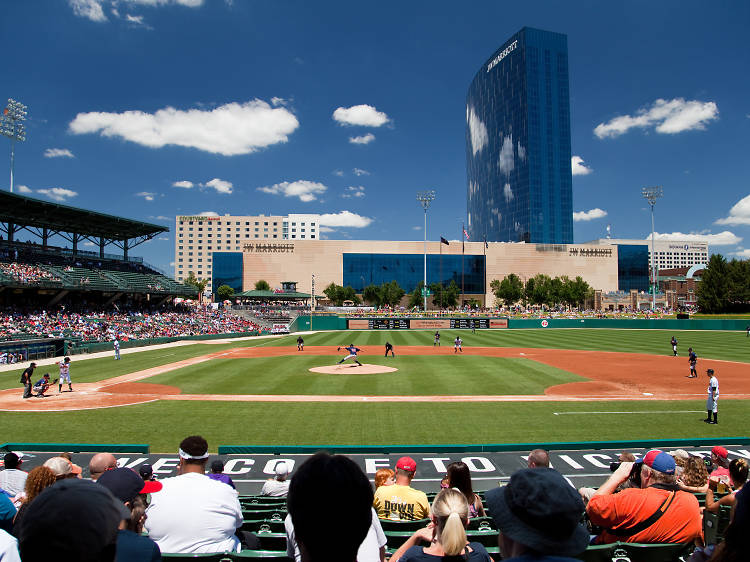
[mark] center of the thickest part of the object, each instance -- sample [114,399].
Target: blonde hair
[738,471]
[382,476]
[451,512]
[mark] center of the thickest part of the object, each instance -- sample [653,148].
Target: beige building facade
[330,261]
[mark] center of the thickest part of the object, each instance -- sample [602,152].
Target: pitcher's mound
[353,369]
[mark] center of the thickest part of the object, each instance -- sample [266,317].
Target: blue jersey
[693,358]
[352,350]
[42,381]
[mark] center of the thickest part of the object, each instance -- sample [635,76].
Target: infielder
[64,375]
[352,354]
[437,339]
[457,345]
[692,359]
[713,396]
[674,346]
[300,344]
[116,345]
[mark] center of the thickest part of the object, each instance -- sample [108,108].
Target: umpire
[26,380]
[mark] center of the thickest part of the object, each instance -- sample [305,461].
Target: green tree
[538,289]
[224,292]
[451,295]
[508,291]
[713,291]
[415,297]
[738,285]
[338,294]
[372,295]
[577,291]
[199,284]
[262,285]
[391,293]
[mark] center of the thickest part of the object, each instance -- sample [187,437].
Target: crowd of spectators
[99,326]
[54,513]
[24,273]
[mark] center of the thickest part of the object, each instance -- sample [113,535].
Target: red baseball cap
[406,463]
[720,451]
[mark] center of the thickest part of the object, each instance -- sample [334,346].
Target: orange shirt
[681,523]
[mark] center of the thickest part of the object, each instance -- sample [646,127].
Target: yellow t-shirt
[400,503]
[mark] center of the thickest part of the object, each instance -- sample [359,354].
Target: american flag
[466,234]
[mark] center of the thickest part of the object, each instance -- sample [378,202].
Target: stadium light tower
[11,126]
[651,194]
[425,198]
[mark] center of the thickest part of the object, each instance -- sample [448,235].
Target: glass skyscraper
[519,183]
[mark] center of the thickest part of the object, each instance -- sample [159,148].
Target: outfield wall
[107,346]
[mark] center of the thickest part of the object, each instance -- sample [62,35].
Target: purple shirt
[222,478]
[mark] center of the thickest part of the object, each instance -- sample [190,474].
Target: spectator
[7,513]
[71,520]
[100,463]
[194,513]
[316,481]
[720,461]
[279,486]
[737,479]
[12,479]
[674,515]
[447,534]
[538,515]
[459,477]
[62,468]
[736,543]
[128,487]
[39,478]
[217,473]
[75,469]
[538,458]
[694,476]
[400,501]
[680,458]
[384,477]
[8,548]
[147,472]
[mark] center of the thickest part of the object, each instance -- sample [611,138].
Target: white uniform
[457,345]
[713,394]
[64,372]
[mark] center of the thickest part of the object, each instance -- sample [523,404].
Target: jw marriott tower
[519,183]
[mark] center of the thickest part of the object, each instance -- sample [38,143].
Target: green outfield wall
[77,347]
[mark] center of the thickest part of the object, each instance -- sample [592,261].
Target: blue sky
[152,108]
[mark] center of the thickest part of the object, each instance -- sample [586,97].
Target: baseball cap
[12,459]
[125,484]
[540,510]
[217,466]
[660,461]
[720,451]
[60,466]
[406,463]
[146,471]
[282,469]
[710,371]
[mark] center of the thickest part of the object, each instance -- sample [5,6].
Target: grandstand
[39,273]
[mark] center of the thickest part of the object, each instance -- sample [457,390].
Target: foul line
[639,412]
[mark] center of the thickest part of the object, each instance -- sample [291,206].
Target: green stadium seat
[715,525]
[481,523]
[264,525]
[264,554]
[396,538]
[272,541]
[487,537]
[636,552]
[403,526]
[211,557]
[259,514]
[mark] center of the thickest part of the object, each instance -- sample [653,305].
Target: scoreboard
[469,323]
[387,323]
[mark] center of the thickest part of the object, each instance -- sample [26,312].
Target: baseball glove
[338,349]
[54,381]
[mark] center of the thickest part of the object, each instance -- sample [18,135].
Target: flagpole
[441,274]
[484,287]
[463,245]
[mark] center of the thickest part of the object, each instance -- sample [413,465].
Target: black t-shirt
[26,375]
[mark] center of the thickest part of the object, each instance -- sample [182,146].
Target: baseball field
[507,386]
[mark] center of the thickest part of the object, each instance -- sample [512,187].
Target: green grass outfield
[164,424]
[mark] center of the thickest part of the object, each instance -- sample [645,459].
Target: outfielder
[352,354]
[457,345]
[674,346]
[437,339]
[64,375]
[692,359]
[116,345]
[713,396]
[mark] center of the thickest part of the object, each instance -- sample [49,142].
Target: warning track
[612,376]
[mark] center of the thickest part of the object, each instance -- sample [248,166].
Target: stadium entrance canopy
[43,219]
[267,296]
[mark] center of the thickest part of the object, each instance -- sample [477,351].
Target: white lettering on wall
[373,465]
[504,53]
[229,467]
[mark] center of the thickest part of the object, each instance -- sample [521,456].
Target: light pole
[312,300]
[651,194]
[425,198]
[11,126]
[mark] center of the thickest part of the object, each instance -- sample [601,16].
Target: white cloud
[208,214]
[578,167]
[303,189]
[344,219]
[477,131]
[185,184]
[738,214]
[88,243]
[277,101]
[743,253]
[90,9]
[364,139]
[352,191]
[147,195]
[163,238]
[416,228]
[137,21]
[724,238]
[58,193]
[326,229]
[585,216]
[360,172]
[24,189]
[229,130]
[221,186]
[666,116]
[339,173]
[58,153]
[506,162]
[161,218]
[363,115]
[508,193]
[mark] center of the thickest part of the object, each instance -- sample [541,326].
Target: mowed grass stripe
[165,424]
[417,375]
[732,346]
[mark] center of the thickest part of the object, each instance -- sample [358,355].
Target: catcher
[42,385]
[352,354]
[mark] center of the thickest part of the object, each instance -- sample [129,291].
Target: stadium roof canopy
[271,295]
[43,218]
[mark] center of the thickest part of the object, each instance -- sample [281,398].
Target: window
[265,224]
[312,236]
